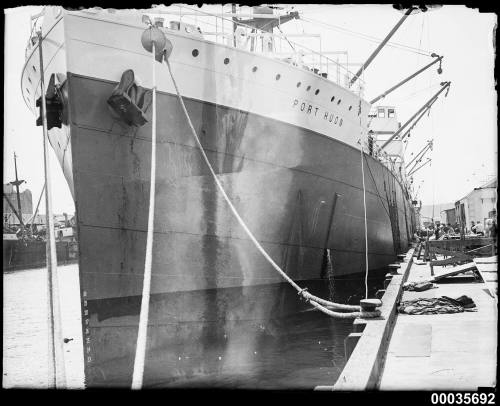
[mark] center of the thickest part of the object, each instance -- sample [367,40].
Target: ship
[286,140]
[24,244]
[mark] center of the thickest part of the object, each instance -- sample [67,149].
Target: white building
[479,205]
[432,213]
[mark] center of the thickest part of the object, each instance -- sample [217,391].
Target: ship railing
[221,29]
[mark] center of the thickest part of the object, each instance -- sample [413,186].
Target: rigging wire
[419,46]
[364,193]
[414,94]
[366,37]
[432,136]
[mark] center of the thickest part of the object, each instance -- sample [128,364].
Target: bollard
[369,308]
[369,305]
[393,268]
[379,293]
[388,278]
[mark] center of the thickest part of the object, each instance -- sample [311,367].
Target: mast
[381,45]
[16,183]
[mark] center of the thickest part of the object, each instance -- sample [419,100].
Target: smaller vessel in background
[24,232]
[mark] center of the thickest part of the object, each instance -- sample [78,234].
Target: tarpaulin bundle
[439,305]
[418,286]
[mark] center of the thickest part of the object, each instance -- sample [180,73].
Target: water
[25,330]
[309,352]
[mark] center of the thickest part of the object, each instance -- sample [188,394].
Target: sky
[463,125]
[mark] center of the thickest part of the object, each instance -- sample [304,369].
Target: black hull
[208,280]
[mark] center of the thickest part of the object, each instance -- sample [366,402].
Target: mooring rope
[364,194]
[140,352]
[56,364]
[317,302]
[366,226]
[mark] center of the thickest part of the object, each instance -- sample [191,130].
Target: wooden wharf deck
[443,351]
[455,351]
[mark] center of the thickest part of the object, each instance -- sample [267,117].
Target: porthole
[278,76]
[350,108]
[226,61]
[298,84]
[332,99]
[308,88]
[195,52]
[316,92]
[254,69]
[340,123]
[339,101]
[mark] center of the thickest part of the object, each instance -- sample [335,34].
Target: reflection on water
[299,351]
[305,350]
[296,352]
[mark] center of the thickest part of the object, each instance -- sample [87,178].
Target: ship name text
[310,109]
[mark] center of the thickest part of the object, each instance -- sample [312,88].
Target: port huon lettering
[310,109]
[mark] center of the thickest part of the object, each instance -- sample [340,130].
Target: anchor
[130,101]
[56,101]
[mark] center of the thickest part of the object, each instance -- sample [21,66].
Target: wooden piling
[350,343]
